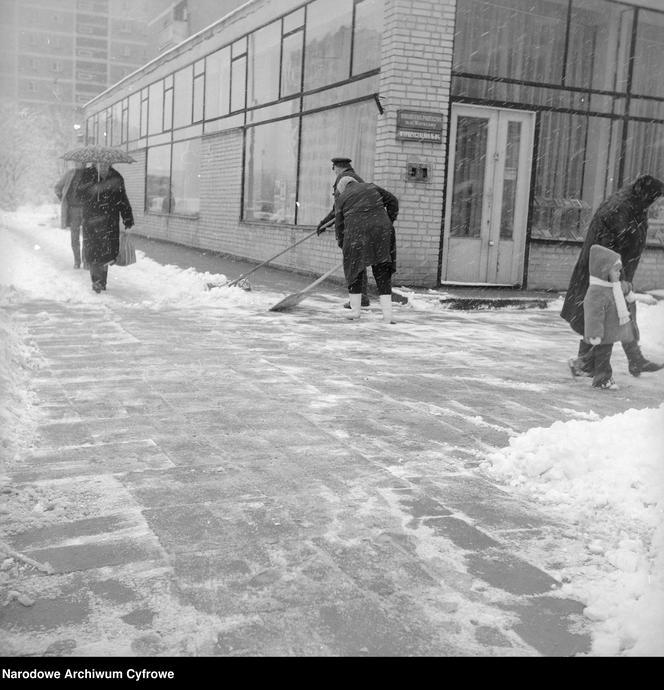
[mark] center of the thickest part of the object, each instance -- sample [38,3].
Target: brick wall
[550,267]
[218,227]
[415,75]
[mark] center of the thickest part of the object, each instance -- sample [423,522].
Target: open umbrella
[98,154]
[95,153]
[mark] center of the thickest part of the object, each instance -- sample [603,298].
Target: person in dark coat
[341,166]
[620,224]
[71,211]
[606,315]
[102,193]
[364,217]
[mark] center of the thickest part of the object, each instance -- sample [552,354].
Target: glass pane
[350,130]
[156,92]
[527,96]
[520,39]
[368,34]
[198,98]
[144,113]
[599,34]
[134,116]
[656,223]
[271,171]
[117,124]
[182,97]
[185,178]
[291,68]
[649,55]
[645,150]
[168,109]
[510,177]
[217,83]
[239,47]
[158,178]
[263,65]
[647,107]
[238,70]
[327,52]
[294,20]
[469,167]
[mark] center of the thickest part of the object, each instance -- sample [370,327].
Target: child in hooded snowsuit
[606,317]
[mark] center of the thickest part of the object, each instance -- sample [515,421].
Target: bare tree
[31,143]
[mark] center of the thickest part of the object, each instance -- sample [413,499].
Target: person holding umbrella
[102,194]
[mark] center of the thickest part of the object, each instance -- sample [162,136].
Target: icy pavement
[185,473]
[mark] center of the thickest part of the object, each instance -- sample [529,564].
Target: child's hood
[601,261]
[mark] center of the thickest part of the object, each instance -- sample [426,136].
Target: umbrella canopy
[98,154]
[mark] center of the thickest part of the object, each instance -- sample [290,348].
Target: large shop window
[263,65]
[157,183]
[217,83]
[327,51]
[271,172]
[368,33]
[519,39]
[577,168]
[348,130]
[186,177]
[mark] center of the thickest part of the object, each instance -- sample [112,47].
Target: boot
[636,362]
[366,303]
[386,307]
[355,306]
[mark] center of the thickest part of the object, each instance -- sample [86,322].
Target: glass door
[487,199]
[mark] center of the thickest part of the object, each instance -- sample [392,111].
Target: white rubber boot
[355,306]
[386,306]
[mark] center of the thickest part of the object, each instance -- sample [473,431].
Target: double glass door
[487,195]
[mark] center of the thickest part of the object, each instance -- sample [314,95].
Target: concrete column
[416,64]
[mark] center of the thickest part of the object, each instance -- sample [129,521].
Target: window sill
[273,224]
[186,216]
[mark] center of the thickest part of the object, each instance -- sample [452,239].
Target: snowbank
[607,477]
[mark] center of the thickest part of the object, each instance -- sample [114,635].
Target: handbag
[127,252]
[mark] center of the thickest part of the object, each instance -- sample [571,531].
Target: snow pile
[15,359]
[37,258]
[607,477]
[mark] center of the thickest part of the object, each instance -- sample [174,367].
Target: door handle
[491,243]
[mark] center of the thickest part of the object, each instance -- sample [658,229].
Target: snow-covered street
[184,473]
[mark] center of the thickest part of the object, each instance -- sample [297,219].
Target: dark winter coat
[103,204]
[347,172]
[364,230]
[599,306]
[621,224]
[65,190]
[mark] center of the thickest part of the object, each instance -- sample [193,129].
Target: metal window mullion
[281,60]
[566,46]
[352,38]
[628,98]
[299,136]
